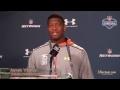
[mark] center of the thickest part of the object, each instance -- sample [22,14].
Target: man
[69,59]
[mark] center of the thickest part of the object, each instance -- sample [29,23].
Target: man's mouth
[54,33]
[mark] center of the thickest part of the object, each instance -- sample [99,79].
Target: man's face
[56,28]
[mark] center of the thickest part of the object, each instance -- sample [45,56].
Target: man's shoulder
[42,46]
[77,47]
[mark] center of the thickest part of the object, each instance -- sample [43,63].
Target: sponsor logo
[106,72]
[28,52]
[66,58]
[109,22]
[1,56]
[71,23]
[109,54]
[30,25]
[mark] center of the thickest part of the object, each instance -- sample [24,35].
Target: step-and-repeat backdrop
[98,32]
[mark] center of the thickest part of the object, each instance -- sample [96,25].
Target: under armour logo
[1,56]
[73,21]
[66,58]
[27,51]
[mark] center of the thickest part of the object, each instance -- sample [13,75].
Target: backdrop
[98,32]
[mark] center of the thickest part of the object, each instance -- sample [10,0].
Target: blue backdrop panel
[96,31]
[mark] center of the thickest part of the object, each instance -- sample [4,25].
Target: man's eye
[58,25]
[50,25]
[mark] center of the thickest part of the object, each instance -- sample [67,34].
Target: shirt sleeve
[31,61]
[85,67]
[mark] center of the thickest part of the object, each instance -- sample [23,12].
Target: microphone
[53,52]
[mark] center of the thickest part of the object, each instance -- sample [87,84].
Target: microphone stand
[53,54]
[51,59]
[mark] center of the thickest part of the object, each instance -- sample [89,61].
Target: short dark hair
[55,15]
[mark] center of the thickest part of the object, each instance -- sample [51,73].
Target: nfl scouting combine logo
[30,25]
[109,22]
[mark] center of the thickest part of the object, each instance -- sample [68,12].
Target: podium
[25,73]
[4,73]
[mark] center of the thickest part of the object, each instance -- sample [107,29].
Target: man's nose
[55,27]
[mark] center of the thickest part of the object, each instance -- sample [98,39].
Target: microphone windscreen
[55,50]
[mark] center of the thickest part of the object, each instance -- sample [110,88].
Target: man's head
[56,27]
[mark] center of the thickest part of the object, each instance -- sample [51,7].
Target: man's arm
[85,67]
[31,61]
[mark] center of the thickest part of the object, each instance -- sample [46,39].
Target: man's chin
[56,39]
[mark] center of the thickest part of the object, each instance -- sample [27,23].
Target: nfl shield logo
[109,51]
[30,21]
